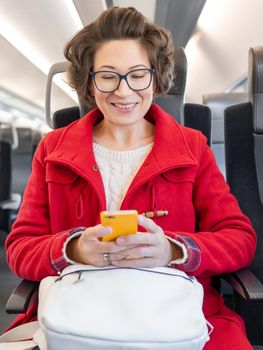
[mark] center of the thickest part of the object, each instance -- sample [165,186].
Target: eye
[108,76]
[140,74]
[137,75]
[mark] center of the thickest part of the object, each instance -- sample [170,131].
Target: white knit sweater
[118,169]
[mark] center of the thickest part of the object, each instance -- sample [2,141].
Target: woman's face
[123,106]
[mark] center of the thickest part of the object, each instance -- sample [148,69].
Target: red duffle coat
[65,191]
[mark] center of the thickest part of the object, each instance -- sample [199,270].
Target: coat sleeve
[33,251]
[225,238]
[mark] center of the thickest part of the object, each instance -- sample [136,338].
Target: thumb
[148,224]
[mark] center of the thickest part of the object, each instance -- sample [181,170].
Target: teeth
[127,106]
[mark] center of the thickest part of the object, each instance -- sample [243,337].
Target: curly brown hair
[119,23]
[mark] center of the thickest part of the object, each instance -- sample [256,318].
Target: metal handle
[56,68]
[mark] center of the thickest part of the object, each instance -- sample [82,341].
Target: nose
[123,89]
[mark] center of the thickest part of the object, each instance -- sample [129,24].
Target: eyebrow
[133,67]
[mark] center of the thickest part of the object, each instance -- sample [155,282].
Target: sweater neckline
[121,155]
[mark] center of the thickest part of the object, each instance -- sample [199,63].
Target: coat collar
[74,147]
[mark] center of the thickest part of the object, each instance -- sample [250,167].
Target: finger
[117,257]
[97,231]
[140,238]
[141,252]
[109,247]
[149,224]
[110,257]
[135,263]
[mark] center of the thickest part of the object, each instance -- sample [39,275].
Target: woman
[130,154]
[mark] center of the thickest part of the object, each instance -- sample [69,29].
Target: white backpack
[121,308]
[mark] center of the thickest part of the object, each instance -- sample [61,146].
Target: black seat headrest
[65,116]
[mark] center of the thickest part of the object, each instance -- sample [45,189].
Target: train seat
[217,102]
[5,184]
[193,115]
[244,172]
[173,101]
[9,201]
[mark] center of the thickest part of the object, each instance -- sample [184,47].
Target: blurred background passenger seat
[217,102]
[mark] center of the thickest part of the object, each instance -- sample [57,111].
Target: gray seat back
[217,103]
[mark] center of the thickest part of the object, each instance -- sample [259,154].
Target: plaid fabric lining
[194,254]
[59,262]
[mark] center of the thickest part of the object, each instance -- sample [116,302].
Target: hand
[144,249]
[89,249]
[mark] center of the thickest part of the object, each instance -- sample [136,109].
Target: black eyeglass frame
[121,76]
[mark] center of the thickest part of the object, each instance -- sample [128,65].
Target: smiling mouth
[124,105]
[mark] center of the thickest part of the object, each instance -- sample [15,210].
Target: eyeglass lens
[139,79]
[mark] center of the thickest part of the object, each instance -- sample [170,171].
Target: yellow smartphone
[123,222]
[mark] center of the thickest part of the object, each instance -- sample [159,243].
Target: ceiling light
[13,36]
[74,13]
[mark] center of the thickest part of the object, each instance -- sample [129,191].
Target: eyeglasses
[137,80]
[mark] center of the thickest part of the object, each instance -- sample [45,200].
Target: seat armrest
[20,298]
[242,281]
[246,284]
[13,203]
